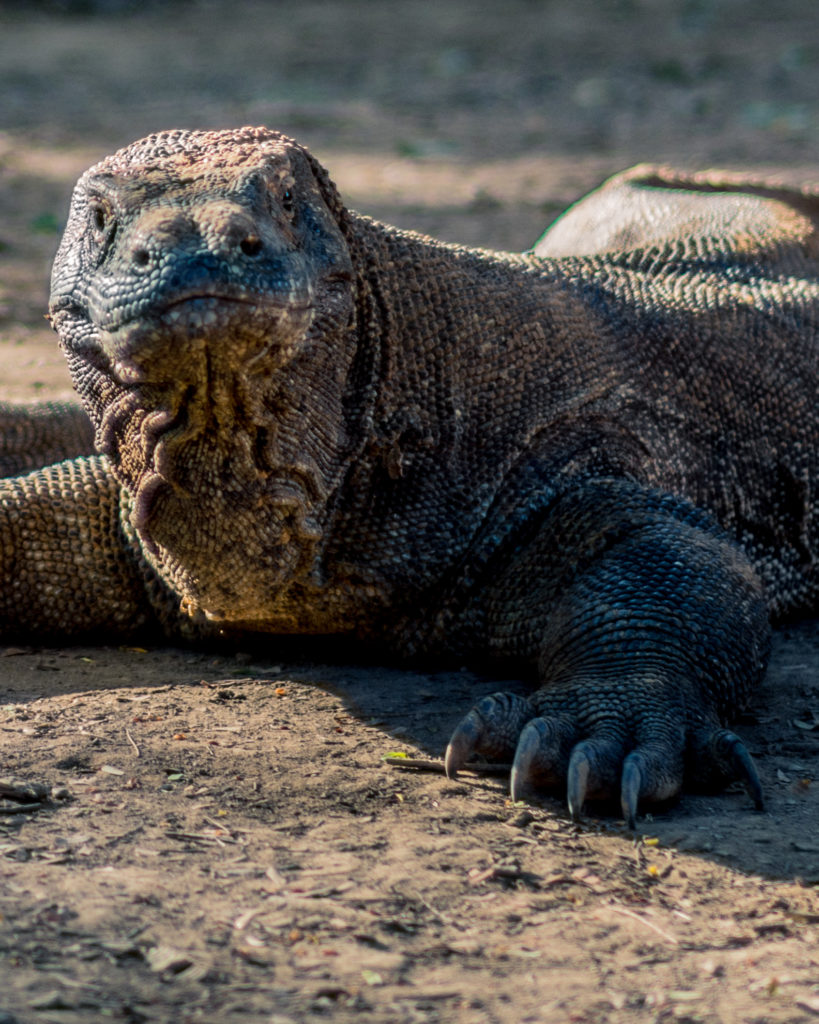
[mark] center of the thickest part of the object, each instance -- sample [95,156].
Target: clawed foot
[643,758]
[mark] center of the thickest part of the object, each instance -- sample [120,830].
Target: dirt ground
[224,842]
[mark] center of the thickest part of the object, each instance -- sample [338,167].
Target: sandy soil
[224,841]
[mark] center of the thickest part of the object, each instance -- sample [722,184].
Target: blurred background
[473,121]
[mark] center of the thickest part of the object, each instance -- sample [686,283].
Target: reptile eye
[100,219]
[288,202]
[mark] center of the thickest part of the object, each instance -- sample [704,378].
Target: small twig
[422,764]
[132,741]
[219,840]
[243,920]
[222,826]
[649,924]
[499,871]
[442,918]
[33,794]
[425,995]
[494,872]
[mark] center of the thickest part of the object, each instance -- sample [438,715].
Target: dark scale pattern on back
[597,461]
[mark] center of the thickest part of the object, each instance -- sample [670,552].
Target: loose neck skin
[473,356]
[459,331]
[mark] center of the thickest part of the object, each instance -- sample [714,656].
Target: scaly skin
[39,434]
[602,466]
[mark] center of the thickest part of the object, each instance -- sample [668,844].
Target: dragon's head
[205,296]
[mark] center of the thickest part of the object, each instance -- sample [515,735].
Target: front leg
[42,433]
[67,568]
[649,628]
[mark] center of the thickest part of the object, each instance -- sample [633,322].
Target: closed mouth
[206,306]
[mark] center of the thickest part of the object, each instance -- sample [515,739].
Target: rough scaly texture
[599,460]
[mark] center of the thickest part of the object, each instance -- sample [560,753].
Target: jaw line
[256,301]
[115,341]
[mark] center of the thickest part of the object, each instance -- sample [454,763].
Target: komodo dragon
[600,462]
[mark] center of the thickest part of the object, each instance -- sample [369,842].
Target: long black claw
[491,728]
[526,754]
[577,782]
[744,767]
[540,752]
[594,770]
[717,757]
[630,786]
[462,743]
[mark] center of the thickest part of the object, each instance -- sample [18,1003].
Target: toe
[718,757]
[651,773]
[593,771]
[491,728]
[541,756]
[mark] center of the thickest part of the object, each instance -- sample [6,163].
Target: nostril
[141,257]
[251,245]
